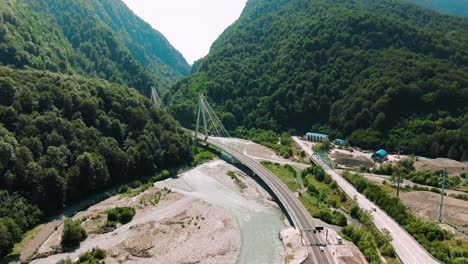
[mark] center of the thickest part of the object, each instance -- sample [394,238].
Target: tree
[72,234]
[8,91]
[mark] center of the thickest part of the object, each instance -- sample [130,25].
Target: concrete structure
[380,155]
[316,137]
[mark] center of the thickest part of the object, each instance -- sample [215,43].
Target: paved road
[301,218]
[407,248]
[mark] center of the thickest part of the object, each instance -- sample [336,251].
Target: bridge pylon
[212,126]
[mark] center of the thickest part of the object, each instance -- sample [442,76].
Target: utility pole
[398,183]
[441,206]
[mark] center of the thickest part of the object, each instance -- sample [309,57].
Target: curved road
[301,218]
[407,248]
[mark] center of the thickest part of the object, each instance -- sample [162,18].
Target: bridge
[406,247]
[300,217]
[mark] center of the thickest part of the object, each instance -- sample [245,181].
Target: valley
[321,131]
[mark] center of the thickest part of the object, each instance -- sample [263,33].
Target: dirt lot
[351,160]
[426,206]
[179,227]
[453,167]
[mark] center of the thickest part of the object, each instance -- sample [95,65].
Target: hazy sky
[190,25]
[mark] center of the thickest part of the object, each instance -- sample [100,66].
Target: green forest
[111,43]
[380,73]
[64,137]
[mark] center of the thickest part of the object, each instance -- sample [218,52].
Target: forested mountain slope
[382,73]
[64,137]
[81,37]
[453,7]
[147,45]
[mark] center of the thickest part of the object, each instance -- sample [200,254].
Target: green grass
[298,153]
[236,180]
[28,236]
[286,174]
[333,193]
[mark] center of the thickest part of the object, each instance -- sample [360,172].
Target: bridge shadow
[250,173]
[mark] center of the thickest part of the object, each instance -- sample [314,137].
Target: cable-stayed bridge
[215,134]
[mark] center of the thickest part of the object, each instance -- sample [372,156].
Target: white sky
[191,26]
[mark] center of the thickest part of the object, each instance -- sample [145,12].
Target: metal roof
[316,134]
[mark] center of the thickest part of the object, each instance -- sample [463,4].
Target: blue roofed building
[340,141]
[380,155]
[317,137]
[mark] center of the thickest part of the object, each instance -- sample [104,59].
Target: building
[340,142]
[317,137]
[380,155]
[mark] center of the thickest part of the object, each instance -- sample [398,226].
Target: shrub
[121,215]
[73,233]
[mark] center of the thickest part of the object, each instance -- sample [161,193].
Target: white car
[374,209]
[322,248]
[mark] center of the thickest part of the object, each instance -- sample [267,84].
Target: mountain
[95,38]
[64,137]
[452,7]
[147,45]
[70,125]
[382,73]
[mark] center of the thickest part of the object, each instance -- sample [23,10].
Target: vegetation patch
[368,238]
[405,170]
[281,144]
[236,180]
[137,187]
[201,155]
[120,215]
[286,173]
[72,234]
[95,256]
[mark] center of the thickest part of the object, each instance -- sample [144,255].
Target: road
[407,248]
[301,218]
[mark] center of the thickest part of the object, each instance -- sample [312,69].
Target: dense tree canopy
[97,38]
[62,137]
[383,73]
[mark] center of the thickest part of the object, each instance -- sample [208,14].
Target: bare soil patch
[351,160]
[453,167]
[174,230]
[426,206]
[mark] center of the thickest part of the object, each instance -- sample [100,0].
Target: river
[260,222]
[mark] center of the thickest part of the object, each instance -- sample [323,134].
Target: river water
[259,221]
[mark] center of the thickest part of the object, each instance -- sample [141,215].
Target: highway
[301,218]
[407,248]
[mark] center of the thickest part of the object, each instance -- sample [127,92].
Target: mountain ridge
[73,38]
[375,72]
